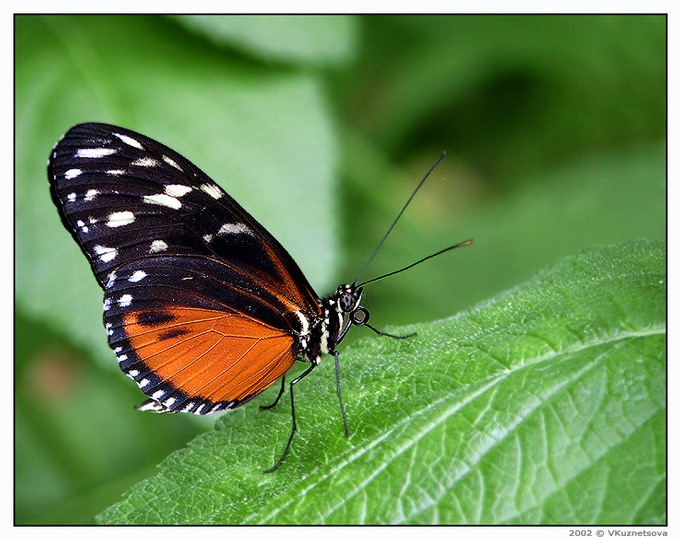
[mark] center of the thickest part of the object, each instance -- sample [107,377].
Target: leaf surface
[544,405]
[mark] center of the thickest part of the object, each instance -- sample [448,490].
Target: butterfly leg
[278,397]
[337,385]
[384,334]
[292,409]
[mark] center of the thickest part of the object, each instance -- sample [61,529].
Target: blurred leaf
[512,93]
[68,468]
[543,405]
[303,39]
[251,131]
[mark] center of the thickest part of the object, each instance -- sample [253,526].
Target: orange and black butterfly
[203,307]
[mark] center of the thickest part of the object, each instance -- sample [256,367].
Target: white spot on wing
[143,382]
[145,162]
[111,279]
[106,254]
[122,358]
[151,406]
[171,163]
[212,190]
[208,238]
[129,141]
[71,197]
[233,228]
[72,173]
[95,152]
[125,300]
[158,394]
[137,276]
[163,200]
[177,190]
[120,218]
[158,246]
[115,172]
[91,193]
[169,402]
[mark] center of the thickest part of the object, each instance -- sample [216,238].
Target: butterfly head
[346,304]
[348,297]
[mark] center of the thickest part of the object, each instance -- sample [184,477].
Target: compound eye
[360,316]
[347,301]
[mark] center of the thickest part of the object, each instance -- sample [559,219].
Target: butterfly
[203,307]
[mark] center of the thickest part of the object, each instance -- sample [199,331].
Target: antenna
[451,247]
[439,160]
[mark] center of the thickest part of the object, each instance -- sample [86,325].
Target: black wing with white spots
[196,290]
[126,197]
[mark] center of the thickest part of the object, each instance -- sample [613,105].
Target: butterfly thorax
[340,311]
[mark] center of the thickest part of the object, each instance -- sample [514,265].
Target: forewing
[126,197]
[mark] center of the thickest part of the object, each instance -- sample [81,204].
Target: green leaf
[304,39]
[543,405]
[527,77]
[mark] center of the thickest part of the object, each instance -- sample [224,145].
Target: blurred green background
[555,129]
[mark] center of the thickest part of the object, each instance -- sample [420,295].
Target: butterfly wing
[201,303]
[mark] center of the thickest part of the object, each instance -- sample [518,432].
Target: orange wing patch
[211,355]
